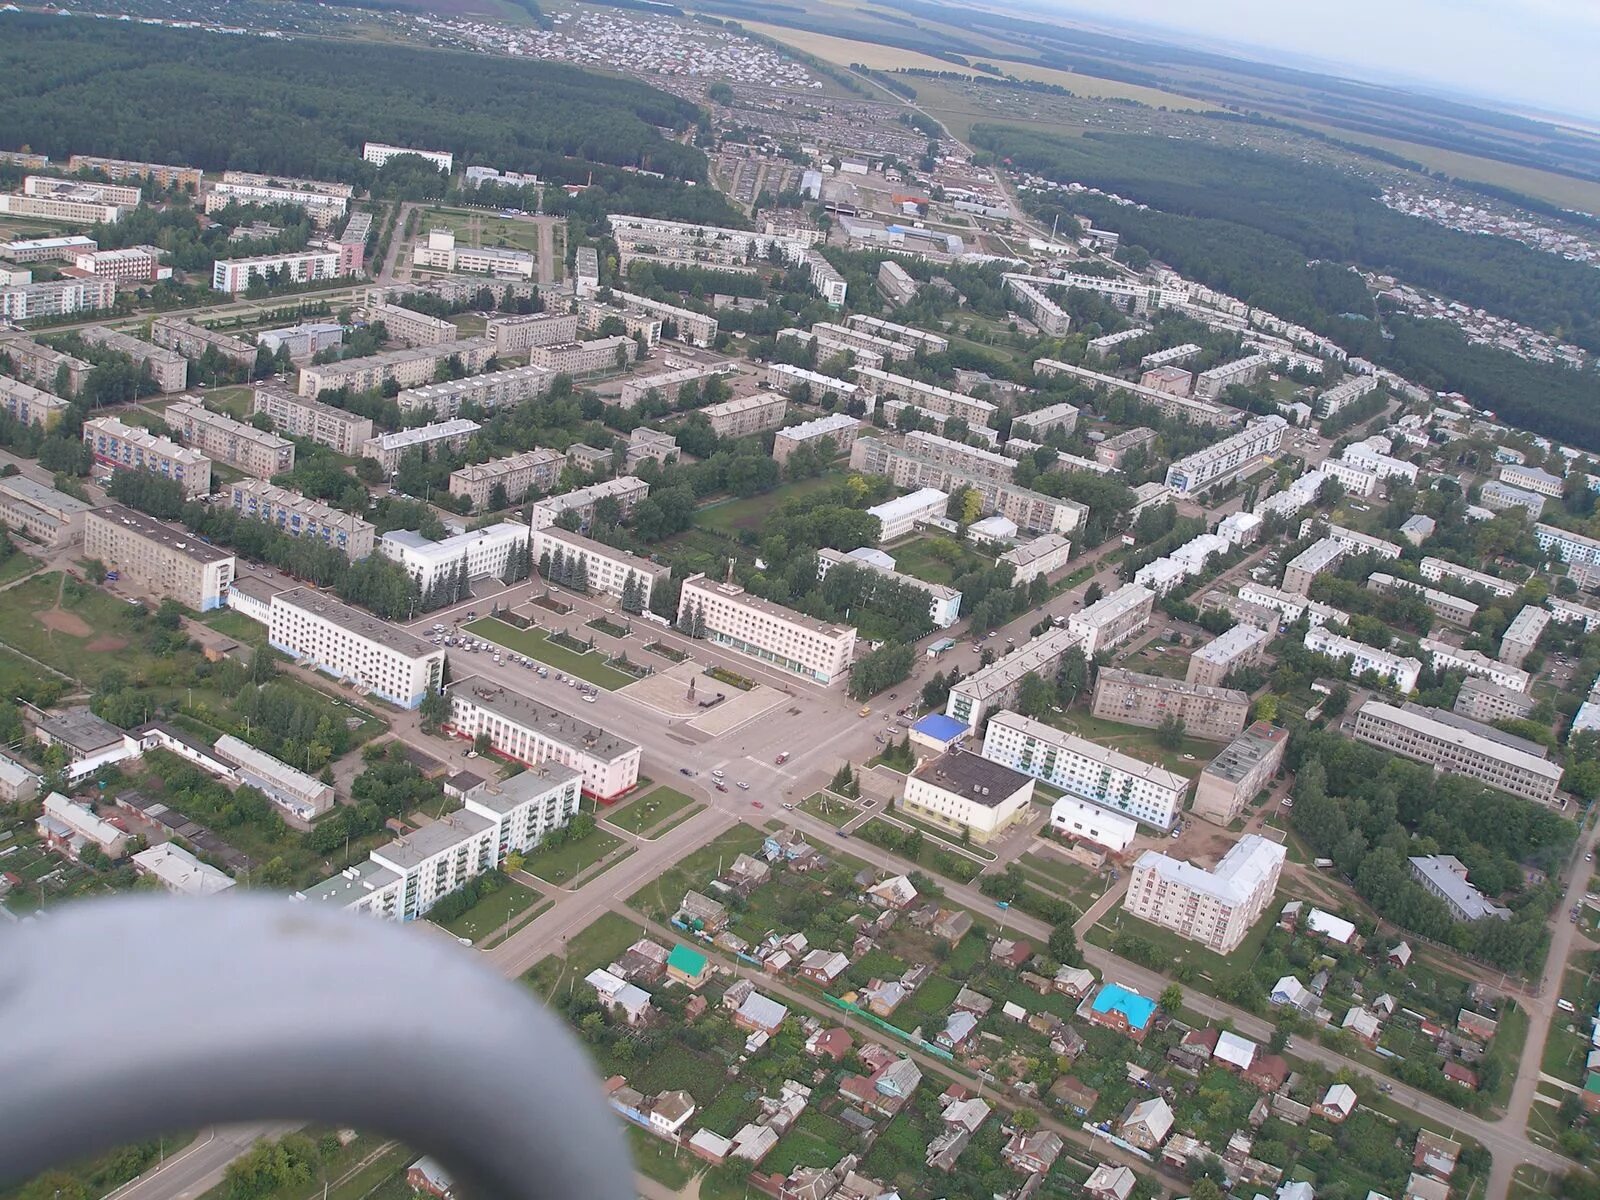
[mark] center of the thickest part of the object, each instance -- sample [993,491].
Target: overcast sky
[1544,53]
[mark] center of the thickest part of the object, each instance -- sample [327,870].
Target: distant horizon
[1449,48]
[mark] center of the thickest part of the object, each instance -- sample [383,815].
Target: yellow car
[865,712]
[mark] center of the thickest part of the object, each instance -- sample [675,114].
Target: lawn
[593,946]
[18,565]
[500,910]
[828,808]
[236,401]
[1506,1049]
[1077,885]
[493,230]
[731,517]
[536,644]
[932,559]
[650,810]
[1208,965]
[91,632]
[1139,743]
[655,1158]
[661,897]
[569,861]
[233,623]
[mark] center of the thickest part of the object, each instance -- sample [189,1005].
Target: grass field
[1208,964]
[17,566]
[235,401]
[650,810]
[927,559]
[86,634]
[663,895]
[732,517]
[493,230]
[535,644]
[235,624]
[1140,743]
[567,863]
[593,946]
[1077,885]
[487,918]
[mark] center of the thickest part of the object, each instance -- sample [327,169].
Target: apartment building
[1480,700]
[1233,778]
[403,880]
[917,339]
[1533,479]
[410,328]
[38,364]
[222,439]
[1254,444]
[303,341]
[1208,385]
[168,368]
[838,428]
[70,826]
[29,405]
[516,335]
[1114,451]
[1567,612]
[1147,793]
[1041,421]
[1170,381]
[439,251]
[1435,570]
[491,390]
[131,264]
[50,517]
[1128,697]
[1446,877]
[1169,356]
[1113,619]
[515,475]
[1039,556]
[1343,394]
[56,298]
[646,443]
[586,358]
[354,646]
[944,603]
[1498,497]
[1036,303]
[862,341]
[829,284]
[164,559]
[1356,481]
[79,206]
[770,633]
[885,385]
[1240,609]
[909,468]
[746,415]
[408,368]
[696,329]
[968,794]
[1198,412]
[1457,745]
[234,275]
[1302,570]
[896,284]
[607,569]
[130,448]
[999,685]
[527,731]
[33,250]
[300,795]
[626,490]
[440,437]
[302,517]
[592,314]
[324,203]
[1384,466]
[585,271]
[667,385]
[1242,646]
[1215,908]
[161,174]
[1445,657]
[18,784]
[485,552]
[1522,635]
[377,153]
[1354,541]
[814,386]
[1290,606]
[1569,547]
[301,416]
[110,193]
[1359,658]
[193,340]
[1442,604]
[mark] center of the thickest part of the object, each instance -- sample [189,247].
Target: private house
[688,967]
[1146,1123]
[1032,1153]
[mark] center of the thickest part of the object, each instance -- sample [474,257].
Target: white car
[743,786]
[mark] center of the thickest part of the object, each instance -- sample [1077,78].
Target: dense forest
[256,104]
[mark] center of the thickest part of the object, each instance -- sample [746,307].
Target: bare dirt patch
[58,620]
[106,644]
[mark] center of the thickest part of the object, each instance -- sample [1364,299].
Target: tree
[1025,1119]
[1092,593]
[1036,697]
[1171,998]
[1169,734]
[1063,945]
[435,709]
[1338,700]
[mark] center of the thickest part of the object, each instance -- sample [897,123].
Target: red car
[782,758]
[722,787]
[757,804]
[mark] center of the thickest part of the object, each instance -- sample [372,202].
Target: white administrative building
[353,645]
[791,641]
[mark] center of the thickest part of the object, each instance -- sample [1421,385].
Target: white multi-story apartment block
[606,568]
[827,281]
[1356,481]
[41,365]
[838,428]
[1567,612]
[746,415]
[785,378]
[440,437]
[635,323]
[402,880]
[1244,645]
[1442,604]
[131,264]
[486,552]
[193,340]
[1291,605]
[29,405]
[1445,657]
[1253,444]
[1533,479]
[234,275]
[828,348]
[1319,557]
[325,203]
[1233,778]
[529,731]
[1498,497]
[516,335]
[1033,300]
[1523,634]
[1343,393]
[770,633]
[1041,421]
[127,195]
[1484,701]
[1457,745]
[130,448]
[969,794]
[476,177]
[1384,466]
[1113,619]
[56,298]
[408,368]
[377,154]
[1169,356]
[1198,412]
[50,517]
[491,390]
[944,603]
[440,252]
[667,385]
[300,416]
[353,645]
[1215,908]
[162,174]
[691,327]
[999,685]
[1361,658]
[1149,794]
[222,439]
[885,385]
[1354,541]
[304,340]
[1208,385]
[864,342]
[918,339]
[586,358]
[516,475]
[409,328]
[626,490]
[302,517]
[80,206]
[1569,547]
[32,250]
[165,559]
[1436,570]
[1041,556]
